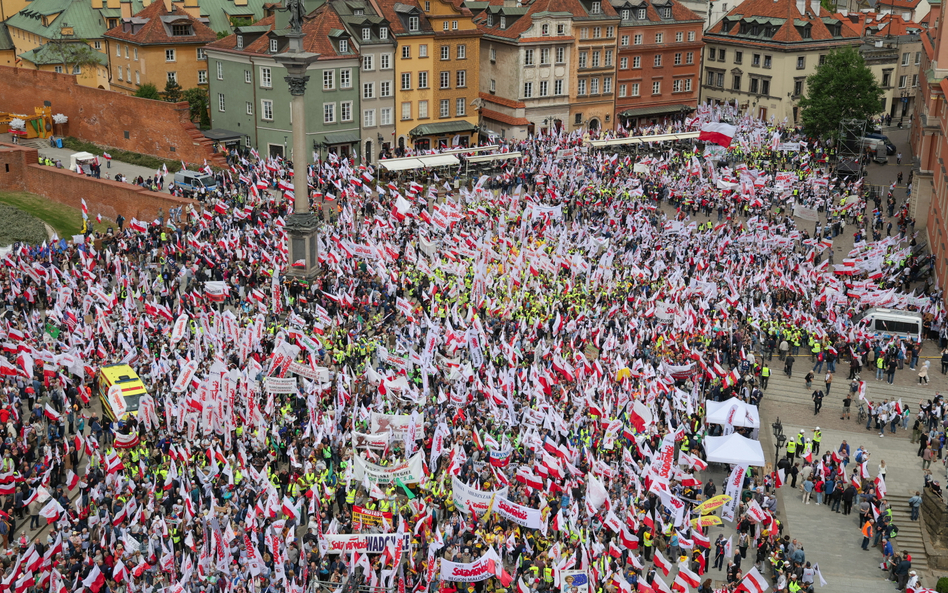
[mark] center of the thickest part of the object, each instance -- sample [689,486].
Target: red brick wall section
[108,198]
[103,117]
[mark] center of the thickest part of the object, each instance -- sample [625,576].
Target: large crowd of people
[492,388]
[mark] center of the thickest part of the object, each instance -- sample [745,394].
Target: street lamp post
[301,225]
[781,439]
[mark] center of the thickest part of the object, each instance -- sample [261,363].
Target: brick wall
[104,117]
[19,171]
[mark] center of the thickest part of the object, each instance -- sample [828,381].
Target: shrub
[942,586]
[20,226]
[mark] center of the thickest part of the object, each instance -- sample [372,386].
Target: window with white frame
[385,61]
[445,108]
[412,23]
[635,89]
[240,42]
[444,79]
[462,52]
[248,76]
[678,58]
[676,86]
[345,78]
[561,30]
[329,80]
[623,63]
[97,45]
[385,88]
[657,61]
[170,55]
[265,79]
[691,35]
[607,84]
[583,58]
[610,32]
[138,78]
[493,85]
[581,87]
[444,26]
[366,33]
[679,37]
[558,87]
[545,56]
[544,88]
[637,39]
[220,102]
[406,110]
[329,113]
[385,116]
[461,79]
[343,46]
[687,84]
[527,90]
[345,111]
[690,57]
[595,60]
[249,108]
[492,54]
[545,30]
[636,61]
[368,118]
[445,52]
[454,25]
[274,46]
[594,86]
[368,90]
[623,89]
[657,87]
[460,107]
[422,109]
[659,37]
[624,40]
[608,57]
[266,109]
[201,54]
[383,32]
[406,52]
[172,76]
[528,57]
[120,73]
[560,55]
[422,80]
[368,62]
[597,32]
[406,81]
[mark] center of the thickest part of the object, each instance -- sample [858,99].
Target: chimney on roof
[815,8]
[126,7]
[801,7]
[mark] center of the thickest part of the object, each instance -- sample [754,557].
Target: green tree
[197,102]
[172,93]
[148,91]
[74,54]
[842,87]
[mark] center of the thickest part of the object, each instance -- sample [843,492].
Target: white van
[893,323]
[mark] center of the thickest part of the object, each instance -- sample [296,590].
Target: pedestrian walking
[898,159]
[817,401]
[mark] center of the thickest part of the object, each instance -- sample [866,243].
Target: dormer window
[366,34]
[180,30]
[640,14]
[667,12]
[358,12]
[383,32]
[503,22]
[596,8]
[343,46]
[240,42]
[274,46]
[545,30]
[490,20]
[412,23]
[626,14]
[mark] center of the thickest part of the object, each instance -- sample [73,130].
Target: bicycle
[861,415]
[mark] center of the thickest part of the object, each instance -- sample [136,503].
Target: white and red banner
[409,472]
[471,572]
[467,497]
[719,133]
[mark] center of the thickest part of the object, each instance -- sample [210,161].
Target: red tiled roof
[680,12]
[501,101]
[787,32]
[547,39]
[522,24]
[316,28]
[505,119]
[387,8]
[155,32]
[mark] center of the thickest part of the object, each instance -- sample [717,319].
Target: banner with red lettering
[368,517]
[470,572]
[466,497]
[520,515]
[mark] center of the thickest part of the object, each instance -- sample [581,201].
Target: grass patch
[132,158]
[65,220]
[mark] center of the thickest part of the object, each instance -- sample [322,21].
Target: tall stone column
[302,225]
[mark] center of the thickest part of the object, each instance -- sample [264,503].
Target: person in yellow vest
[791,450]
[764,376]
[817,437]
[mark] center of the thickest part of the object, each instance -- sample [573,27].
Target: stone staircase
[910,532]
[37,143]
[783,391]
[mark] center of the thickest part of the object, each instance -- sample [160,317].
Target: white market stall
[745,415]
[734,449]
[81,159]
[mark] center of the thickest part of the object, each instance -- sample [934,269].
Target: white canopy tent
[642,139]
[734,449]
[77,159]
[745,415]
[420,162]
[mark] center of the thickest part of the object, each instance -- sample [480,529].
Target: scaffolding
[849,159]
